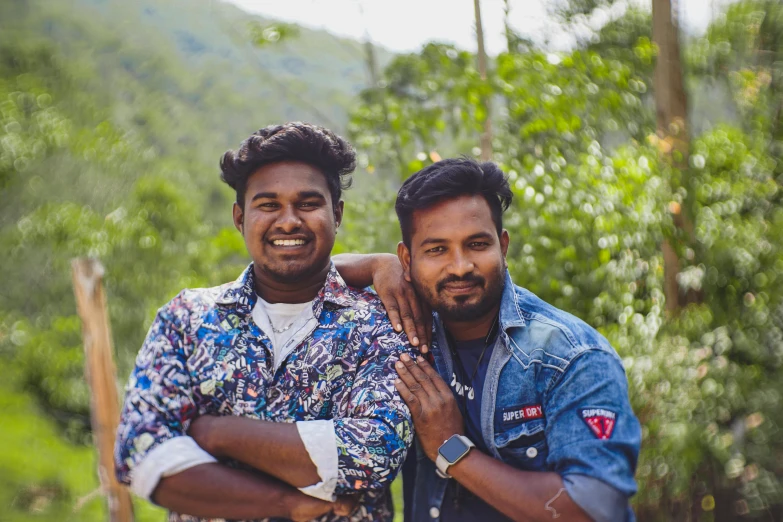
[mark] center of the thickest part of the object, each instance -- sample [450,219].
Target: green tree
[593,206]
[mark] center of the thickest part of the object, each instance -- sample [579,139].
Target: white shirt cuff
[319,440]
[167,459]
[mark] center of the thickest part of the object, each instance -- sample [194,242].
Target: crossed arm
[216,491]
[160,407]
[273,448]
[361,462]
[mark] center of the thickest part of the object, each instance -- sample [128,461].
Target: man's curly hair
[295,141]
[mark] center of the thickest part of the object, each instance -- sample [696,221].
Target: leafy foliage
[108,146]
[575,132]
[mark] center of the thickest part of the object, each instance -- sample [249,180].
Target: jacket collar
[242,293]
[511,315]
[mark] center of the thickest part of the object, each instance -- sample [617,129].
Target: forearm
[271,447]
[217,491]
[357,269]
[520,495]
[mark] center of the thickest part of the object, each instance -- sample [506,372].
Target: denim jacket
[555,399]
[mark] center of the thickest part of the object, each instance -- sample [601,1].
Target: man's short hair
[295,141]
[449,179]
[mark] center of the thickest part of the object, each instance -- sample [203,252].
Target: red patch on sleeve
[600,420]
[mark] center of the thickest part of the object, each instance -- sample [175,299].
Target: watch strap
[442,465]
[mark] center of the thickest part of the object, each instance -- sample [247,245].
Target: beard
[467,307]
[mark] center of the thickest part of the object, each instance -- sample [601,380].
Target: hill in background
[183,75]
[113,116]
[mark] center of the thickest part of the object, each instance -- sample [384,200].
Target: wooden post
[671,104]
[101,377]
[486,136]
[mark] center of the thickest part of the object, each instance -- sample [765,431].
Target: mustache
[469,278]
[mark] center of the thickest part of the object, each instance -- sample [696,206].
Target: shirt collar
[242,294]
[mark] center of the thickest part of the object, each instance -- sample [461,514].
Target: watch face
[453,449]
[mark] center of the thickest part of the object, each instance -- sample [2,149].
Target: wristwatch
[450,452]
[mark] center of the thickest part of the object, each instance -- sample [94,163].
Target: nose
[460,265]
[289,221]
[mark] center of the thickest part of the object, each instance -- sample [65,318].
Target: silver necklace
[282,329]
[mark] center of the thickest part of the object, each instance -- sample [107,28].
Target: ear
[239,218]
[338,213]
[404,255]
[504,240]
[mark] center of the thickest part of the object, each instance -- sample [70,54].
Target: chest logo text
[519,414]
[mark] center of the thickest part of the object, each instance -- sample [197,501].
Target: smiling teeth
[288,242]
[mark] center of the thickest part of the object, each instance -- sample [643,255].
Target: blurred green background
[113,116]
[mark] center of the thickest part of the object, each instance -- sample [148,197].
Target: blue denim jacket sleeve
[591,429]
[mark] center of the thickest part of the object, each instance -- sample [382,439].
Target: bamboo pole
[101,377]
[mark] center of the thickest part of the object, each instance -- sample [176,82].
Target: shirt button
[531,452]
[434,512]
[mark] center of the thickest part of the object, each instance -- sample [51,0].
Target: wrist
[443,439]
[455,449]
[456,469]
[207,435]
[432,455]
[287,501]
[378,261]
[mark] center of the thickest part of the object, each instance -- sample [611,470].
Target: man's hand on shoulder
[407,312]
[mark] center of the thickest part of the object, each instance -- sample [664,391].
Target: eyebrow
[306,194]
[480,235]
[432,241]
[438,241]
[264,195]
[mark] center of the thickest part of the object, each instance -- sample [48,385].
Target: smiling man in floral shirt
[273,396]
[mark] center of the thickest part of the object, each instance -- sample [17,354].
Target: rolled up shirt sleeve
[591,429]
[320,441]
[373,439]
[599,500]
[158,406]
[164,460]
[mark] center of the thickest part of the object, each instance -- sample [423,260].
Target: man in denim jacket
[532,403]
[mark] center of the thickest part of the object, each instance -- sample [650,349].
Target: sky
[404,25]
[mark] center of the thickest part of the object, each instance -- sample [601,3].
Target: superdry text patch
[520,414]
